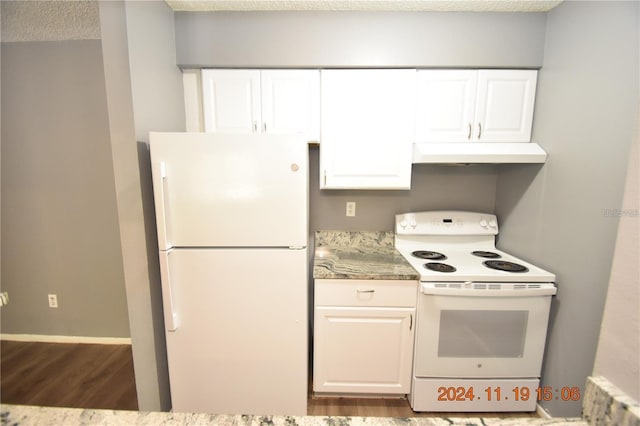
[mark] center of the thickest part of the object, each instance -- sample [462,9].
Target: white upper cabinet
[504,108]
[231,100]
[291,102]
[446,105]
[267,101]
[367,128]
[470,105]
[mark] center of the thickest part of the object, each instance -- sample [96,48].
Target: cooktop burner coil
[502,265]
[428,255]
[486,254]
[439,267]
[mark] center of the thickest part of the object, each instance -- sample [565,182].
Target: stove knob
[413,223]
[403,224]
[483,223]
[493,223]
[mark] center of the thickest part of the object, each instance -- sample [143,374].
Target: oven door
[480,333]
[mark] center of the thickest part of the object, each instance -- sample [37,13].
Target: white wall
[554,215]
[618,356]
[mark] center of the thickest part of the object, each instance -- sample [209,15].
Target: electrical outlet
[53,301]
[351,208]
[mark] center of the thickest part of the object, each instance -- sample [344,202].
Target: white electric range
[482,315]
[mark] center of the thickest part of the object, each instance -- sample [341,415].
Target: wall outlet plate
[351,208]
[53,300]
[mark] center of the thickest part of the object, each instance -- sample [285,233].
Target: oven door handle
[474,292]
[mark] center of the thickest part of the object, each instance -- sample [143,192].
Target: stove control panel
[446,223]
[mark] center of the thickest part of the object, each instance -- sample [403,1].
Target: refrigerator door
[241,344]
[224,190]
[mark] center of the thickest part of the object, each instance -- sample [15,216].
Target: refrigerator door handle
[171,319]
[161,210]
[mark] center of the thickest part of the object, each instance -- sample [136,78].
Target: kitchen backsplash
[355,239]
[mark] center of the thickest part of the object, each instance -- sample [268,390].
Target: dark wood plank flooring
[67,375]
[101,376]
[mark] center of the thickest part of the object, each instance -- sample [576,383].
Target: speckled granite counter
[605,404]
[27,415]
[359,256]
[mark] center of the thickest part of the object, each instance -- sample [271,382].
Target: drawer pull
[365,291]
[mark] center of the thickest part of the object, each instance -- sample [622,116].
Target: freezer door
[222,190]
[241,346]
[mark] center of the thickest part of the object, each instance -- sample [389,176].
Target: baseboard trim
[542,412]
[45,338]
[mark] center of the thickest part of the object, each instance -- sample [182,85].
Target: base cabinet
[363,349]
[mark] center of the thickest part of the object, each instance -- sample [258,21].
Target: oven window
[482,334]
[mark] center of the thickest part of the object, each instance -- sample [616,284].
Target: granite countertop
[359,256]
[602,404]
[30,415]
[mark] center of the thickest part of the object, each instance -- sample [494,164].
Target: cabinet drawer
[381,293]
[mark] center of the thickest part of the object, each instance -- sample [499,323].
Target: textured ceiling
[367,5]
[50,20]
[77,20]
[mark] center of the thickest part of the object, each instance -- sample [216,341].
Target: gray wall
[359,39]
[59,219]
[145,93]
[156,81]
[1,288]
[433,187]
[586,112]
[158,105]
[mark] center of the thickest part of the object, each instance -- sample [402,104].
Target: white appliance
[232,220]
[481,319]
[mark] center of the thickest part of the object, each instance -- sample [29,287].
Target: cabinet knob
[479,130]
[469,133]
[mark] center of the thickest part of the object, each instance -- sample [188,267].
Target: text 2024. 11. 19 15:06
[546,393]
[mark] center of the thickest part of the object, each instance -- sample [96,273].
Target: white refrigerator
[232,220]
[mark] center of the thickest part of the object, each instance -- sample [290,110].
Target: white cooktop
[456,235]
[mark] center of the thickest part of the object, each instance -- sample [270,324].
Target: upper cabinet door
[475,106]
[231,101]
[291,102]
[504,111]
[446,105]
[367,128]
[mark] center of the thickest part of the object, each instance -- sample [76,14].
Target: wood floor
[101,376]
[374,407]
[67,375]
